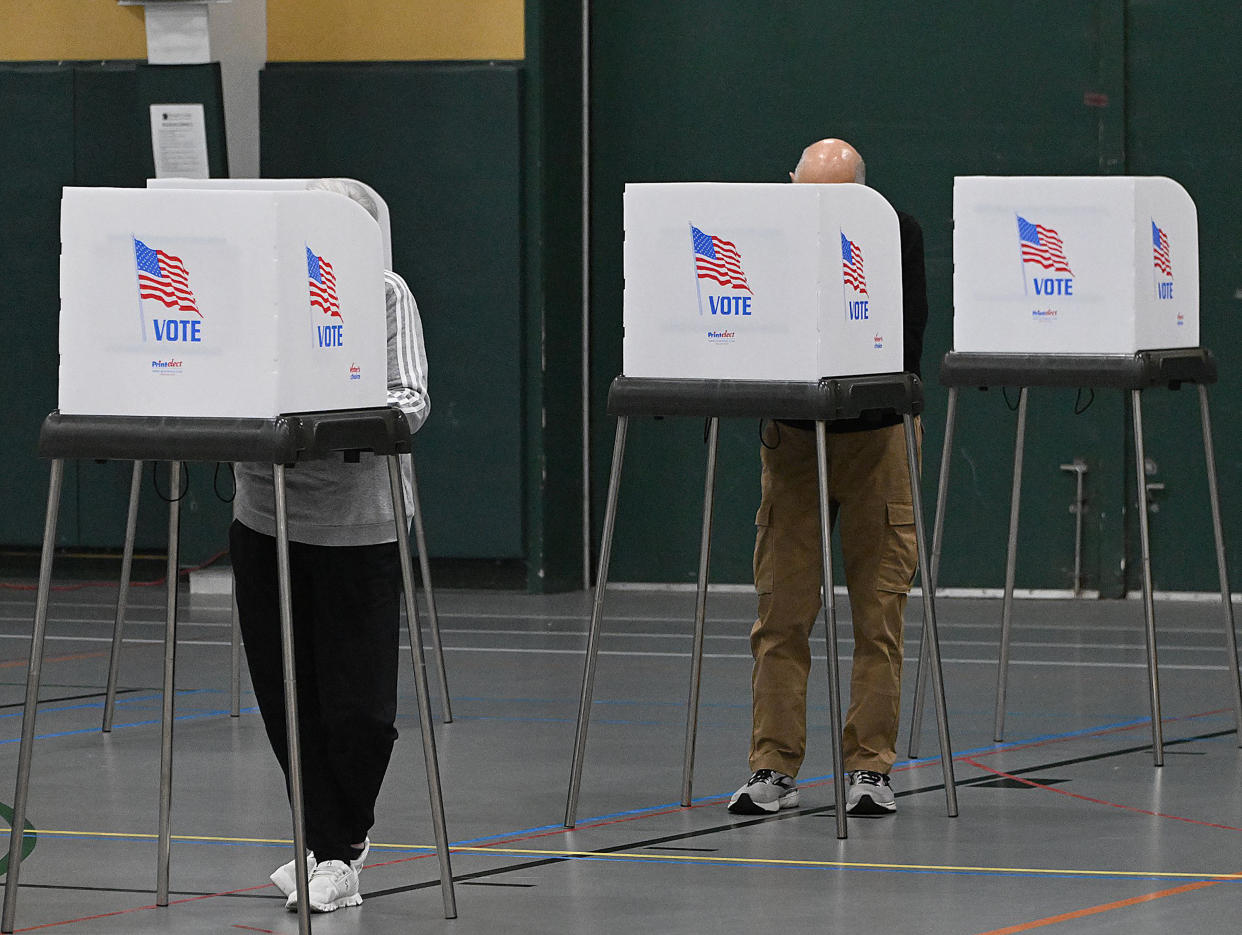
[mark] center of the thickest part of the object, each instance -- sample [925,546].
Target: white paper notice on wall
[179,141]
[177,33]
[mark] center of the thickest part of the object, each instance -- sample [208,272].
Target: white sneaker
[766,791]
[333,885]
[869,793]
[284,875]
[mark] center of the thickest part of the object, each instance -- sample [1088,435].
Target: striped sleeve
[407,358]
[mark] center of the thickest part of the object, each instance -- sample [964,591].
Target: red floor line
[1086,798]
[1095,910]
[72,657]
[121,912]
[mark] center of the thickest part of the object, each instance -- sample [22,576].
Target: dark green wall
[926,93]
[442,144]
[480,166]
[1184,120]
[81,124]
[552,161]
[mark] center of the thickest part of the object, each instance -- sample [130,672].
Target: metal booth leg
[700,612]
[424,696]
[34,674]
[122,596]
[424,567]
[1149,607]
[234,661]
[933,573]
[289,669]
[830,626]
[931,638]
[167,708]
[1231,638]
[597,614]
[1011,556]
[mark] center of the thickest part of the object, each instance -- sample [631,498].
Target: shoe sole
[342,903]
[745,805]
[869,807]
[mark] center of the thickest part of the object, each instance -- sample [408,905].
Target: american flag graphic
[1042,245]
[163,277]
[322,283]
[1160,251]
[852,265]
[717,260]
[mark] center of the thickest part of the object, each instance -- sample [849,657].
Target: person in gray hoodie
[345,578]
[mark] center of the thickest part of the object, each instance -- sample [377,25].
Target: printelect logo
[166,366]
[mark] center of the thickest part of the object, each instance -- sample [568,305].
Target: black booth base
[1143,370]
[827,400]
[286,439]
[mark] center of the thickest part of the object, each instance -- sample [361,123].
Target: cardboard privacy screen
[1095,265]
[760,281]
[242,304]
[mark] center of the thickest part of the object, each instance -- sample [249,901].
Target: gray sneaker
[765,792]
[333,885]
[869,793]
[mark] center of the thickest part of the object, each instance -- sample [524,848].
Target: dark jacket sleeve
[913,290]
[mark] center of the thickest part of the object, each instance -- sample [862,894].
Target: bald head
[829,161]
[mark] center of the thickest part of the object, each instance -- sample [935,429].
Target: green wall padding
[86,124]
[441,143]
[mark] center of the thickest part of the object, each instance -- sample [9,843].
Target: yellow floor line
[497,850]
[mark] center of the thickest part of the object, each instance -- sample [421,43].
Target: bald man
[869,501]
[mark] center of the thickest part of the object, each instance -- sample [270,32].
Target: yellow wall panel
[70,29]
[394,30]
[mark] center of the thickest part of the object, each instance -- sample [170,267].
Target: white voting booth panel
[760,281]
[1091,265]
[283,185]
[240,304]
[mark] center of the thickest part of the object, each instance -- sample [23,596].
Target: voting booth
[1089,283]
[219,323]
[231,303]
[760,281]
[1106,265]
[760,301]
[249,347]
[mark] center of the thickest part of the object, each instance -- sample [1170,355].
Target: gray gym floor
[1066,825]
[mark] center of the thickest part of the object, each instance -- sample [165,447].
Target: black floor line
[102,694]
[789,815]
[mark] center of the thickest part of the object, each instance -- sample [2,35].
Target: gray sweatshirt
[332,502]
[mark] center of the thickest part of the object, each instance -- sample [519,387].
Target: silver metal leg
[1231,637]
[168,707]
[933,575]
[424,696]
[1011,557]
[1149,607]
[289,668]
[34,674]
[700,612]
[122,596]
[234,662]
[931,637]
[830,627]
[597,614]
[424,566]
